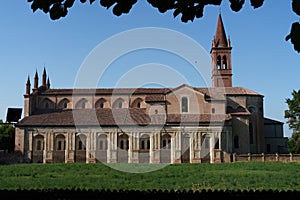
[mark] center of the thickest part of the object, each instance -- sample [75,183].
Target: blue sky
[261,58]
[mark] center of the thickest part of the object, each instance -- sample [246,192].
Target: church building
[185,124]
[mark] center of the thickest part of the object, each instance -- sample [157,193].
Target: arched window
[219,62]
[81,104]
[137,103]
[102,142]
[60,143]
[46,104]
[166,141]
[63,103]
[236,142]
[118,103]
[123,142]
[184,104]
[100,103]
[224,62]
[145,142]
[39,145]
[81,142]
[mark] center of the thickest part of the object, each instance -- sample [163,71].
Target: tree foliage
[7,132]
[293,116]
[188,9]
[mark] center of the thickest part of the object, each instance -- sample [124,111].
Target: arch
[101,103]
[224,62]
[80,148]
[63,104]
[47,104]
[38,147]
[123,146]
[81,104]
[166,141]
[137,103]
[219,62]
[60,143]
[60,147]
[101,147]
[185,148]
[118,103]
[144,149]
[39,143]
[165,153]
[145,142]
[102,143]
[80,141]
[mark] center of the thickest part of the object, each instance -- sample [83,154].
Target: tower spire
[44,78]
[36,80]
[28,86]
[221,57]
[220,39]
[48,83]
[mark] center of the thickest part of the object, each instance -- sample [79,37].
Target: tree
[189,9]
[293,116]
[7,133]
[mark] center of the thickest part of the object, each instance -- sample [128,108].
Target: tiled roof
[113,117]
[153,93]
[106,91]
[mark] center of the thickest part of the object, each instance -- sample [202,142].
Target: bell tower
[221,57]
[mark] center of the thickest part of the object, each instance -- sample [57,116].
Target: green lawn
[225,176]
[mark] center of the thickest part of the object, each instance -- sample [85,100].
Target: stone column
[92,146]
[71,147]
[135,147]
[67,148]
[113,147]
[130,141]
[155,147]
[29,155]
[108,153]
[177,158]
[173,148]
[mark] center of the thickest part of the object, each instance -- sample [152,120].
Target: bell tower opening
[221,57]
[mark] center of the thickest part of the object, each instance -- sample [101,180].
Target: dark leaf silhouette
[294,36]
[257,3]
[189,9]
[296,6]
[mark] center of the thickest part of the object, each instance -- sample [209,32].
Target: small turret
[44,83]
[48,83]
[36,81]
[28,86]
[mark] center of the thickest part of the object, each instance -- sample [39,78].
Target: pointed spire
[220,39]
[48,83]
[28,85]
[44,78]
[36,80]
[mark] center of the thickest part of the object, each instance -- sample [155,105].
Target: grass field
[225,176]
